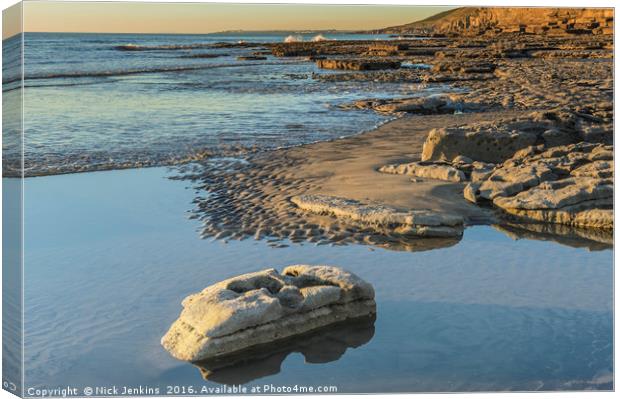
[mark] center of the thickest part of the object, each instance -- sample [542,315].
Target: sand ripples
[252,199]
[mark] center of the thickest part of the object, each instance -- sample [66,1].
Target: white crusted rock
[597,169]
[596,218]
[559,194]
[486,143]
[490,189]
[470,192]
[575,201]
[461,159]
[424,223]
[426,170]
[570,184]
[263,307]
[481,171]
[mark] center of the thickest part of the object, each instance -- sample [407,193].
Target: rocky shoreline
[522,132]
[526,138]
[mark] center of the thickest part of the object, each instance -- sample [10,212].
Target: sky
[51,16]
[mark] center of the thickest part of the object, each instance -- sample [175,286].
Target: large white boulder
[263,307]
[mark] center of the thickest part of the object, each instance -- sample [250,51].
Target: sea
[89,104]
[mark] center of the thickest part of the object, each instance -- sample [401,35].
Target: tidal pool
[110,255]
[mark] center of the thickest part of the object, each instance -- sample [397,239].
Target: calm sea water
[89,105]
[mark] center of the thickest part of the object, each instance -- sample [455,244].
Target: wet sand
[253,198]
[348,167]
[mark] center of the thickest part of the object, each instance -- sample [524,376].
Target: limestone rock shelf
[357,65]
[569,185]
[423,223]
[425,170]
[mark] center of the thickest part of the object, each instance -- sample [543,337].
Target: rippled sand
[239,199]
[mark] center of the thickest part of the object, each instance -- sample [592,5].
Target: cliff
[473,21]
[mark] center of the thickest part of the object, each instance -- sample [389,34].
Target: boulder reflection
[324,345]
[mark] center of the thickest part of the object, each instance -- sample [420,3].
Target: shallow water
[110,256]
[90,106]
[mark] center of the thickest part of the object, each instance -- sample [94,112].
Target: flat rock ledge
[265,307]
[427,170]
[434,105]
[357,64]
[570,185]
[497,141]
[423,223]
[251,58]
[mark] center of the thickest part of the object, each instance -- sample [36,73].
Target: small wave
[319,38]
[124,72]
[137,47]
[204,55]
[293,39]
[87,83]
[88,74]
[414,65]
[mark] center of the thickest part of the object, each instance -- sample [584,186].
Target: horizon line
[197,34]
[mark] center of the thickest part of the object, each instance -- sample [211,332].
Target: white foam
[293,39]
[319,38]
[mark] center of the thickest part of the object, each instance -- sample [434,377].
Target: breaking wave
[293,39]
[319,38]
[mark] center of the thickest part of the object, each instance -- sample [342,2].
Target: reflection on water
[592,239]
[324,345]
[487,314]
[237,200]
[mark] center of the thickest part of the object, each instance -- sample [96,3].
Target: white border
[515,3]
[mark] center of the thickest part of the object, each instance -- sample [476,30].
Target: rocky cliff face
[494,20]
